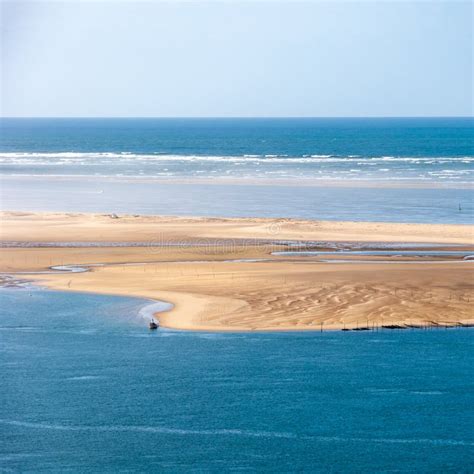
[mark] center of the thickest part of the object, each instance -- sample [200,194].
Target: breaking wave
[90,158]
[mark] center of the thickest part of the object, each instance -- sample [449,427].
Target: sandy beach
[220,274]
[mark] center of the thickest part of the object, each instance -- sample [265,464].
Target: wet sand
[185,261]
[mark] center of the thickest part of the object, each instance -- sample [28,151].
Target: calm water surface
[216,200]
[86,388]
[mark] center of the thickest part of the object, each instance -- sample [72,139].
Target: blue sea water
[87,388]
[401,170]
[427,150]
[369,137]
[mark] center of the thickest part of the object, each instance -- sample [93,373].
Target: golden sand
[185,261]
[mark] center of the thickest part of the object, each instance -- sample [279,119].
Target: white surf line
[149,312]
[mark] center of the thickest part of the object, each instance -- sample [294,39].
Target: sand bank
[61,227]
[211,293]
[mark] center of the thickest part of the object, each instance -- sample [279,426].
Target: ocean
[400,170]
[87,388]
[425,150]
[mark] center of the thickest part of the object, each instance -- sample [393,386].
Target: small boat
[153,325]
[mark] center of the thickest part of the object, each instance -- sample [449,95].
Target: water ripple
[233,432]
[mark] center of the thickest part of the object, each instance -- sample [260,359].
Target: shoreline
[167,307]
[166,320]
[159,310]
[220,274]
[184,311]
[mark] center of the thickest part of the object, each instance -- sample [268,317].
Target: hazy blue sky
[223,58]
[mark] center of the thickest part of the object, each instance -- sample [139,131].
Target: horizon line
[172,117]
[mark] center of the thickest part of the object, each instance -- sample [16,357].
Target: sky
[236,59]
